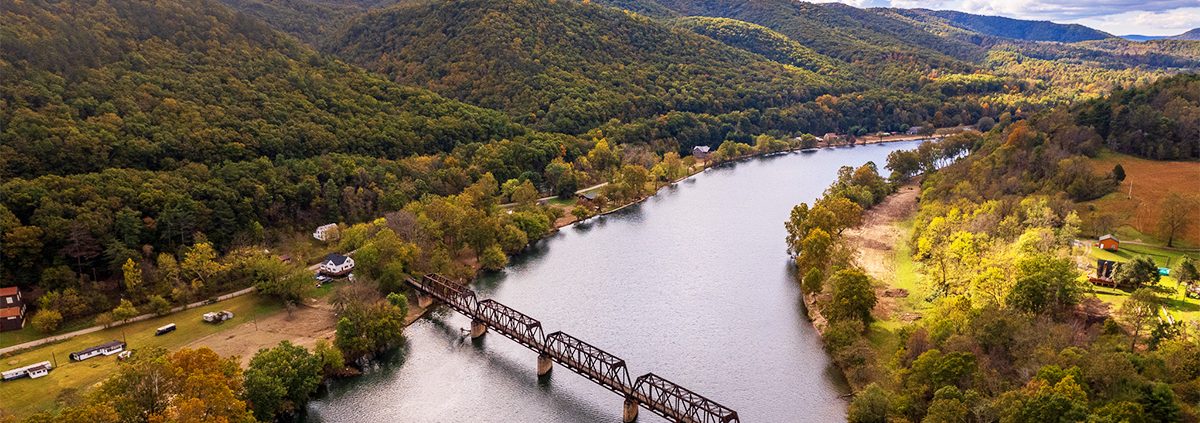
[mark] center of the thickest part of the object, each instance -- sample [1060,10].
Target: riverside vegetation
[1013,332]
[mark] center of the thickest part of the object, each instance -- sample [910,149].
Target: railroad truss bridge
[650,391]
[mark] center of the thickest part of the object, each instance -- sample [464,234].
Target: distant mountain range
[1192,35]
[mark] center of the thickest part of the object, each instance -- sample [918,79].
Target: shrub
[46,320]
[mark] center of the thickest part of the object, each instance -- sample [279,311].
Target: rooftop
[9,291]
[336,259]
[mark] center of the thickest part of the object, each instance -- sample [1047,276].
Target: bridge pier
[424,300]
[478,328]
[544,364]
[629,412]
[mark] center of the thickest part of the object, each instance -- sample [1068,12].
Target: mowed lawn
[23,397]
[1169,289]
[1137,217]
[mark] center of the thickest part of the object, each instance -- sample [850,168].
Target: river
[694,284]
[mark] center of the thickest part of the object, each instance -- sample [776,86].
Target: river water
[694,284]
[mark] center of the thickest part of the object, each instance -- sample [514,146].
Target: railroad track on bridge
[650,391]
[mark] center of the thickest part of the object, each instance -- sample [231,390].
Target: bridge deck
[652,392]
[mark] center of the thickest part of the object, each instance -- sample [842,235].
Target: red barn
[1109,243]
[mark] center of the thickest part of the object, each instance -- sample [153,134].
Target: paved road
[69,335]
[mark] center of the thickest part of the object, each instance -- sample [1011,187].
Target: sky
[1118,17]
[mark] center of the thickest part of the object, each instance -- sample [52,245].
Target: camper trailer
[32,371]
[109,348]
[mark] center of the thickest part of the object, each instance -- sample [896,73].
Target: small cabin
[12,309]
[337,265]
[109,348]
[326,232]
[1108,243]
[165,329]
[701,152]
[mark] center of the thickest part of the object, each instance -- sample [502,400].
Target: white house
[337,265]
[109,348]
[326,232]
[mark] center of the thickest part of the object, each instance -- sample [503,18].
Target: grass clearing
[1170,291]
[24,397]
[1136,218]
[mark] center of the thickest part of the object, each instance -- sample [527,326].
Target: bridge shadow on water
[562,400]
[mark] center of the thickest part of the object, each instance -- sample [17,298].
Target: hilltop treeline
[1160,121]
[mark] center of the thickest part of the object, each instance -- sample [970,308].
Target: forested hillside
[566,66]
[133,84]
[1160,121]
[1007,27]
[135,127]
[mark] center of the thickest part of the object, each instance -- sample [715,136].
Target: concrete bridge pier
[424,300]
[629,412]
[478,328]
[544,364]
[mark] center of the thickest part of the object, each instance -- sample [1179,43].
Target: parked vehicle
[218,316]
[164,330]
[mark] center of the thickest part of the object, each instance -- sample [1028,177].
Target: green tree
[124,311]
[280,380]
[493,258]
[1138,311]
[158,305]
[46,320]
[1136,273]
[852,296]
[1185,271]
[330,357]
[1039,401]
[1118,173]
[871,405]
[812,281]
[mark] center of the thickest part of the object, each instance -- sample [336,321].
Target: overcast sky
[1118,17]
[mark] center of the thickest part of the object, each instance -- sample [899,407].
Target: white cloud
[1151,17]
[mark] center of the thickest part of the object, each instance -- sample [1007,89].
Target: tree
[815,250]
[277,279]
[985,124]
[124,311]
[329,357]
[1118,173]
[1040,401]
[871,405]
[279,380]
[812,282]
[1175,216]
[493,258]
[158,305]
[200,263]
[46,320]
[525,194]
[1044,283]
[1138,311]
[1186,272]
[853,297]
[132,273]
[1136,273]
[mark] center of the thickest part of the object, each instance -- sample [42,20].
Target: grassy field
[1169,289]
[1136,217]
[23,397]
[28,333]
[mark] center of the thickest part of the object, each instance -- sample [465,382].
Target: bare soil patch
[303,326]
[873,241]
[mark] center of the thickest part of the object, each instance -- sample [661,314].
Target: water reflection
[694,285]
